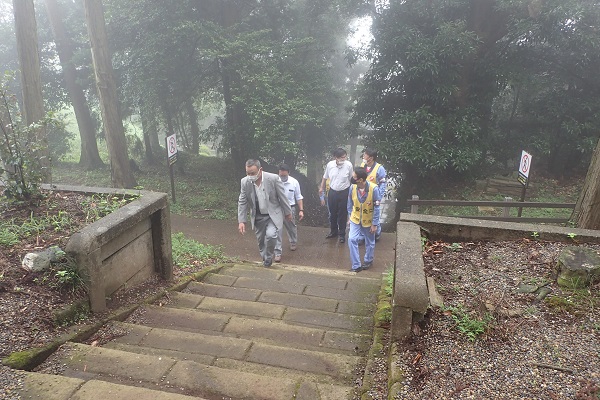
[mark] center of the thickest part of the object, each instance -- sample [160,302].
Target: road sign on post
[524,168]
[171,144]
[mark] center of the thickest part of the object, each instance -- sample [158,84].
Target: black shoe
[342,239]
[267,263]
[367,265]
[357,269]
[330,235]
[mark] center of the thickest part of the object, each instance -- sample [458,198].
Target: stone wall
[124,248]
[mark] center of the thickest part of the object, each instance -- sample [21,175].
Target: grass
[547,191]
[576,302]
[470,326]
[189,253]
[206,188]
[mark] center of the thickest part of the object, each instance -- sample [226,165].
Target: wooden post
[523,197]
[414,208]
[506,210]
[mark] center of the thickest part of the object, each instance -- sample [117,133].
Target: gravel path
[530,348]
[10,382]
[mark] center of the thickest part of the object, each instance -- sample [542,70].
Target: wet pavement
[313,249]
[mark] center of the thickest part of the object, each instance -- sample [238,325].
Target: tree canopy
[457,86]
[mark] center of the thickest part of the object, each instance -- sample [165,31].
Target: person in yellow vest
[363,218]
[376,174]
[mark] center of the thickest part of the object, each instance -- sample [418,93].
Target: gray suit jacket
[277,201]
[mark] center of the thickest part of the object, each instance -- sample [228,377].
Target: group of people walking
[353,200]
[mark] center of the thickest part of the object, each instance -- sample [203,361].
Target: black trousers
[338,212]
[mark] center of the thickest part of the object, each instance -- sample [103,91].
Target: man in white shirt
[294,195]
[339,172]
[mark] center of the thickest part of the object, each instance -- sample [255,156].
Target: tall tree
[107,91]
[31,86]
[455,86]
[90,157]
[587,210]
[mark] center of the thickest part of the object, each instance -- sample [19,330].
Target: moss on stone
[30,358]
[72,313]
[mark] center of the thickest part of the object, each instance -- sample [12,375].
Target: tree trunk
[148,126]
[233,117]
[195,130]
[314,156]
[31,86]
[587,211]
[107,92]
[90,157]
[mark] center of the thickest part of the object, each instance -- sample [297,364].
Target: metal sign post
[171,144]
[524,168]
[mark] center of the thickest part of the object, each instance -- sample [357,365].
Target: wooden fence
[506,205]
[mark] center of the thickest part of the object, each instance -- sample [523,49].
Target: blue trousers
[357,233]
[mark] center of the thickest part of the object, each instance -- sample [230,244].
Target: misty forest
[445,90]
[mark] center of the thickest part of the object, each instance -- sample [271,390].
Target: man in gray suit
[263,194]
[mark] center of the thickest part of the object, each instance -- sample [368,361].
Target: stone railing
[411,295]
[124,248]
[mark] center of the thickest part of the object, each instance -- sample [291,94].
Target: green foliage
[12,232]
[389,281]
[8,238]
[20,151]
[444,98]
[100,205]
[188,251]
[454,246]
[471,327]
[577,302]
[67,277]
[535,235]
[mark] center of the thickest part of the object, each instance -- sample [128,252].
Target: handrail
[487,203]
[506,205]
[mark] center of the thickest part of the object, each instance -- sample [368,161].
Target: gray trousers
[266,235]
[292,232]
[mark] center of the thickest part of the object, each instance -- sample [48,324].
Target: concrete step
[272,332]
[215,312]
[188,377]
[229,363]
[57,387]
[257,356]
[244,333]
[365,306]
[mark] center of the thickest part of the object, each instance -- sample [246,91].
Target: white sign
[524,167]
[171,146]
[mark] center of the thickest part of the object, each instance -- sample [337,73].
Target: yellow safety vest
[362,212]
[372,177]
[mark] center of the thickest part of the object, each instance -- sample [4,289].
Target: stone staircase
[243,332]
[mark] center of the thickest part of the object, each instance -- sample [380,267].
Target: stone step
[291,281]
[213,350]
[188,377]
[57,387]
[228,363]
[209,306]
[237,346]
[305,301]
[243,333]
[299,274]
